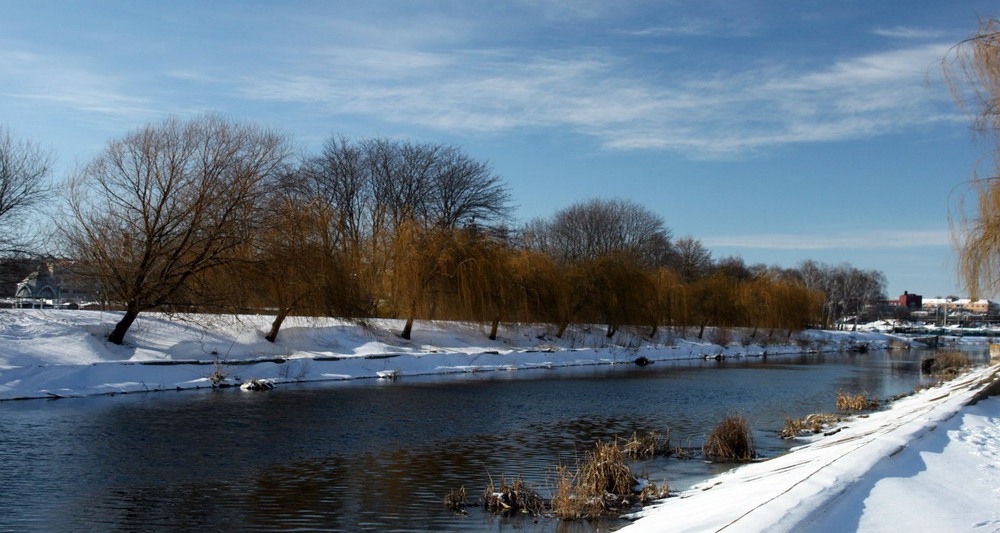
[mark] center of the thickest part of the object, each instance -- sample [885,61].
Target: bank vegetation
[214,215]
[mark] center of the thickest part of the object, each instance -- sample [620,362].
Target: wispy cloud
[686,28]
[903,32]
[39,78]
[593,92]
[855,240]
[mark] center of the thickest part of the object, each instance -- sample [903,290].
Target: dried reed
[793,428]
[731,440]
[856,402]
[651,444]
[512,498]
[456,500]
[949,363]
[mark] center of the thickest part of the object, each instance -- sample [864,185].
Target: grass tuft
[456,500]
[947,364]
[856,402]
[651,444]
[731,440]
[793,428]
[514,497]
[602,485]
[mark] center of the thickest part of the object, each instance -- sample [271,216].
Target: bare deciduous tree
[588,230]
[24,167]
[396,207]
[167,202]
[691,259]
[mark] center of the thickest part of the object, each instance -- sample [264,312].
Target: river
[365,455]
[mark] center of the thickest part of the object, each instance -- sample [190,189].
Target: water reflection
[350,456]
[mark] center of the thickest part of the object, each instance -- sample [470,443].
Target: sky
[776,131]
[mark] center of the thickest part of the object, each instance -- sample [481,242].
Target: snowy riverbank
[58,353]
[931,462]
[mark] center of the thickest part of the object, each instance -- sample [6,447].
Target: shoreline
[61,354]
[813,486]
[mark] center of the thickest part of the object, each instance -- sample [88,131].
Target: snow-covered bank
[929,463]
[46,353]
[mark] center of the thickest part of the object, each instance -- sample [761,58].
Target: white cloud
[615,98]
[904,32]
[63,84]
[855,240]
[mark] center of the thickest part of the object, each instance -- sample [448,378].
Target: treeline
[211,214]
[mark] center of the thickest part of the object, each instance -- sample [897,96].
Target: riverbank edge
[63,354]
[786,492]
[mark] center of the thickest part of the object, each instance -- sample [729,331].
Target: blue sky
[774,130]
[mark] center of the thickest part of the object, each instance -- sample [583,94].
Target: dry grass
[731,440]
[947,364]
[856,402]
[513,497]
[605,471]
[602,485]
[651,492]
[819,421]
[456,500]
[793,428]
[651,444]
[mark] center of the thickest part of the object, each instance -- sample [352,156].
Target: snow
[928,463]
[46,353]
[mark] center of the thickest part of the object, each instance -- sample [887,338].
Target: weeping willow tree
[972,69]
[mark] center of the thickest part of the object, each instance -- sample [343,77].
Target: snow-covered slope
[64,353]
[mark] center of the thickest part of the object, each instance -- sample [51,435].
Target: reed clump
[514,497]
[947,364]
[856,402]
[647,445]
[456,500]
[602,485]
[730,440]
[793,428]
[817,422]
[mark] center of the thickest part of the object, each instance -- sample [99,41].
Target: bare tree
[973,71]
[167,202]
[396,206]
[846,290]
[24,167]
[466,192]
[597,227]
[691,259]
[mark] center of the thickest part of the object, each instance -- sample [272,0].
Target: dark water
[381,456]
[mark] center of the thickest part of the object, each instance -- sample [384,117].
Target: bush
[731,440]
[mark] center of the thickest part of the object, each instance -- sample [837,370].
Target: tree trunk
[276,324]
[562,329]
[117,335]
[493,328]
[701,331]
[612,329]
[408,328]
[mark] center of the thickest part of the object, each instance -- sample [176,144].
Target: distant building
[51,284]
[911,301]
[980,307]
